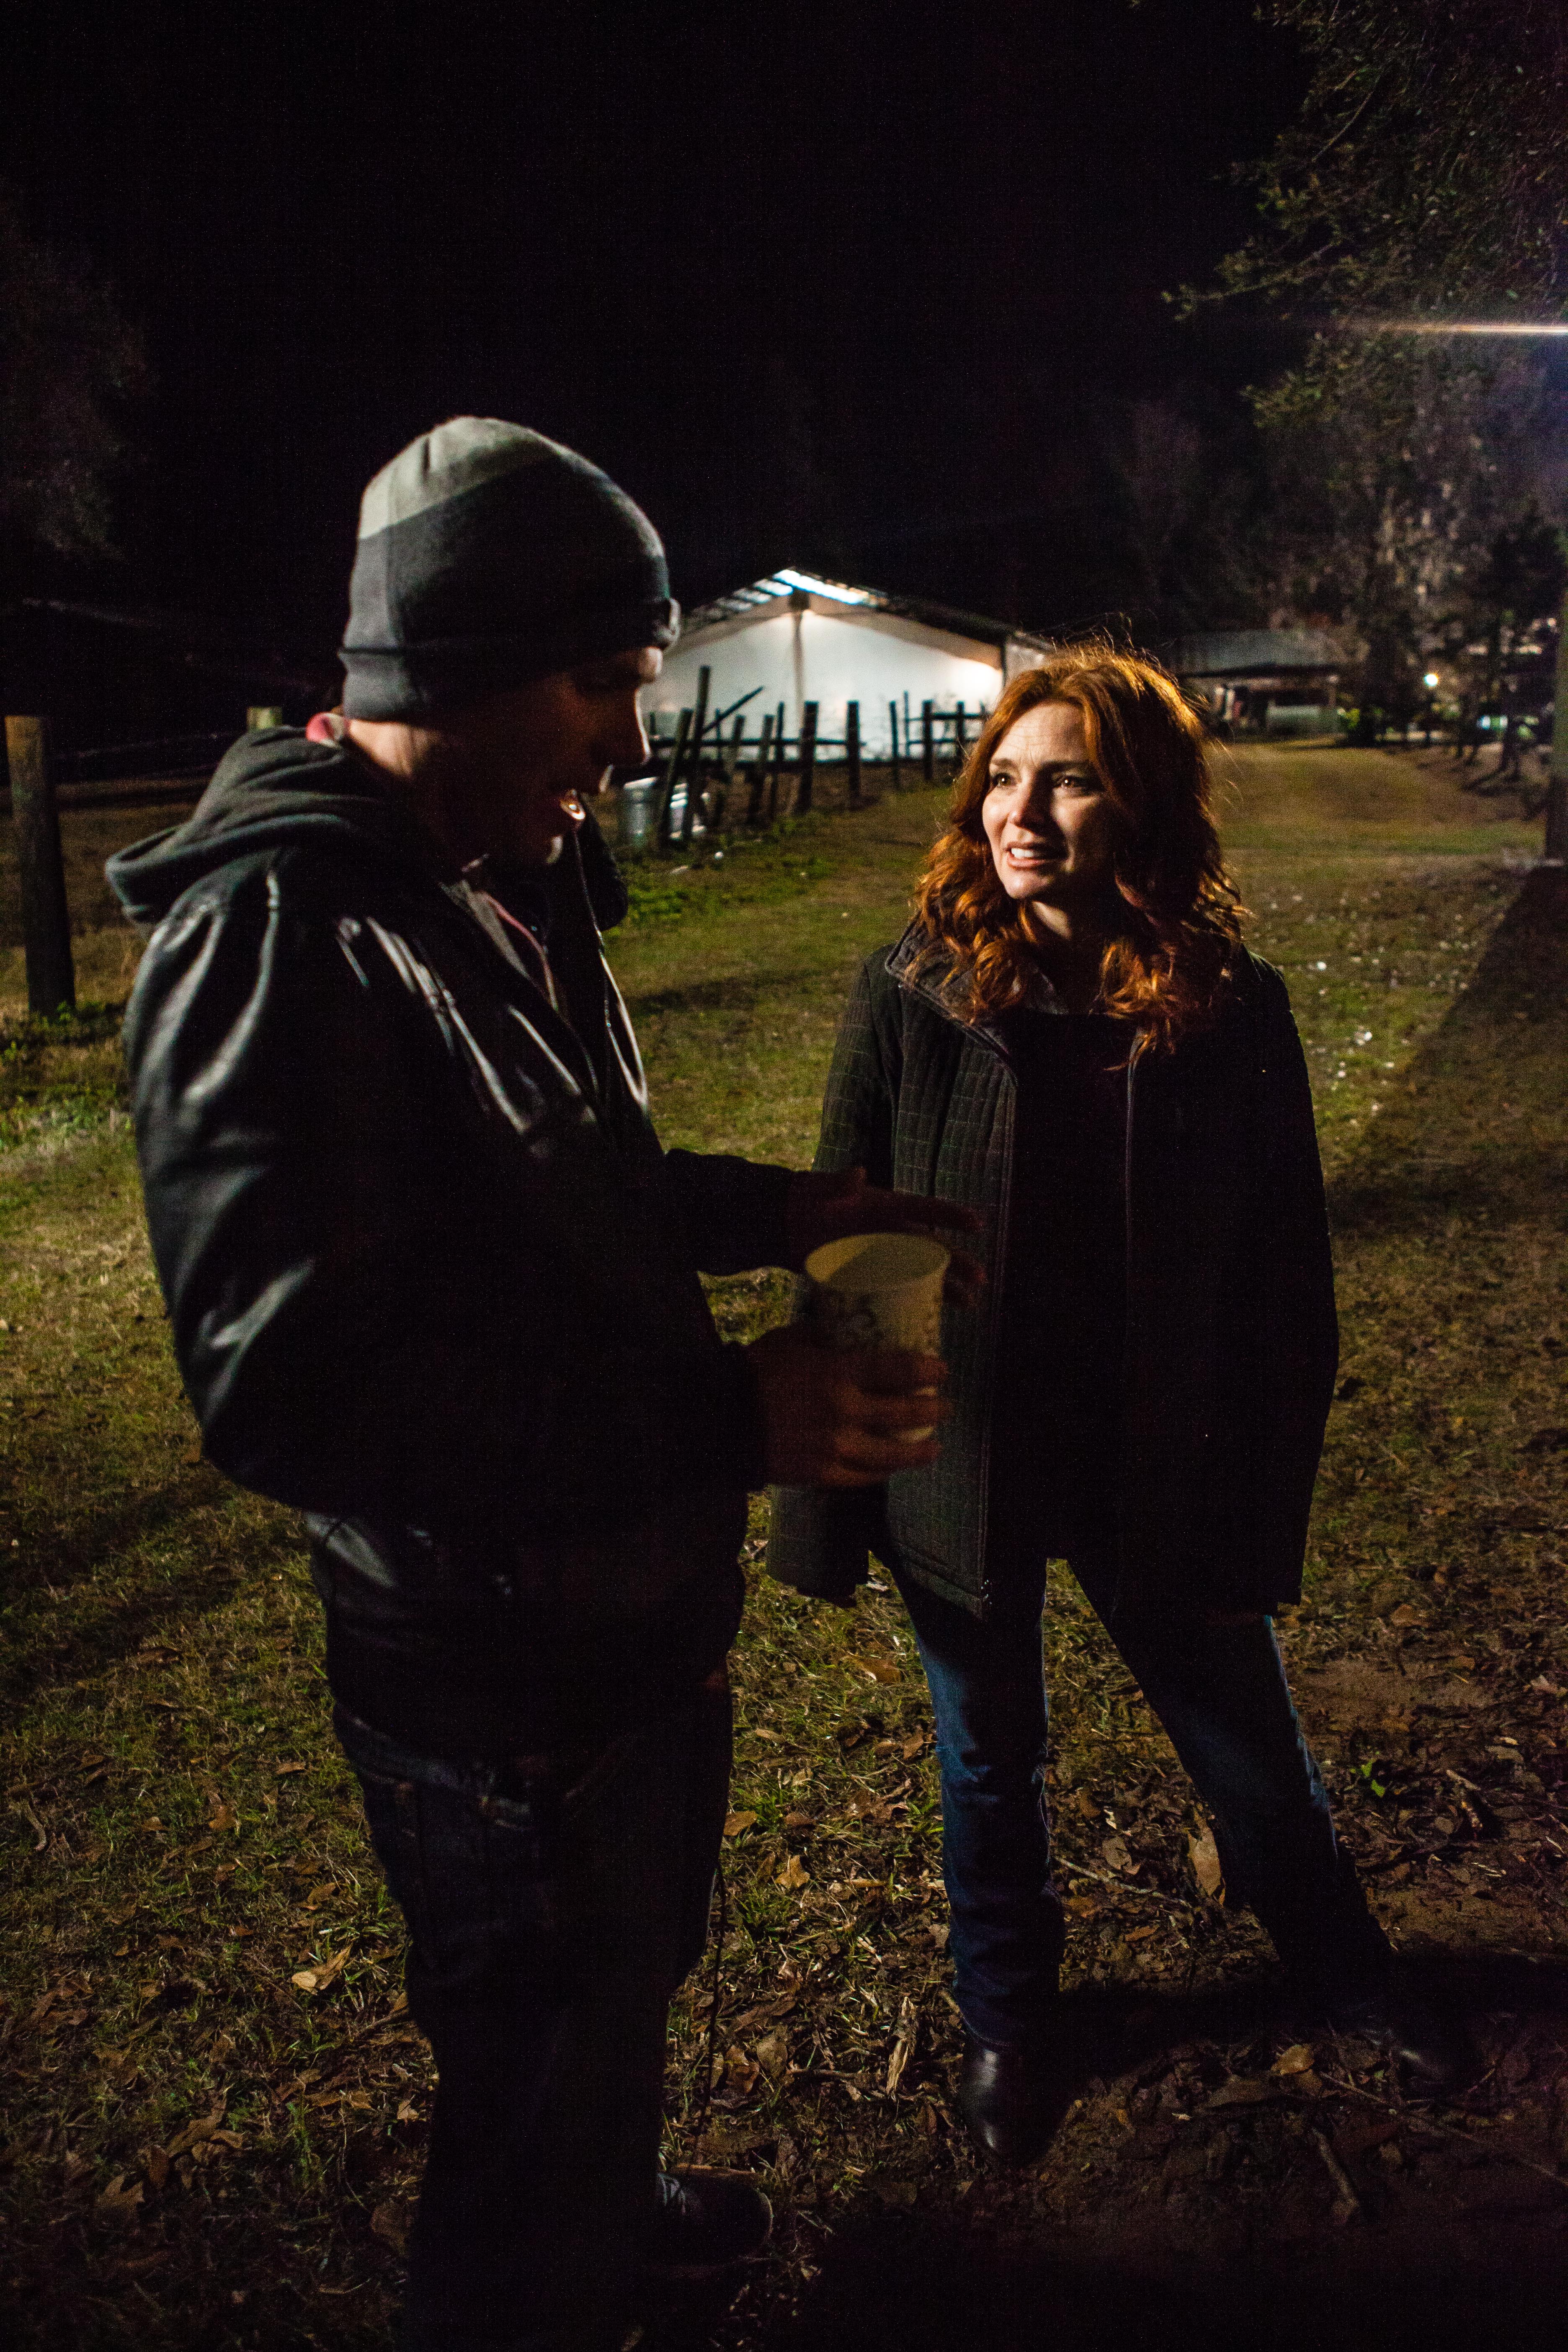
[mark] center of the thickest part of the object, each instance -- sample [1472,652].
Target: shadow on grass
[118,1601]
[1448,1149]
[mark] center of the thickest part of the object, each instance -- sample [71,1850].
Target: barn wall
[830,658]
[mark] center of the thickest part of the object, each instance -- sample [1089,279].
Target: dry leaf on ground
[794,1873]
[117,2203]
[736,1823]
[390,2222]
[319,1977]
[1298,2060]
[1204,1854]
[200,2128]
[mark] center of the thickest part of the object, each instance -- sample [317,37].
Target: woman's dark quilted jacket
[1231,1339]
[429,1274]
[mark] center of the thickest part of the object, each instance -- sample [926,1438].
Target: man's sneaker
[703,2223]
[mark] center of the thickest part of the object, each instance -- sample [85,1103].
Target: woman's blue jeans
[1221,1693]
[553,1904]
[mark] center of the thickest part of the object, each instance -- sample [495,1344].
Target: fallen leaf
[1243,2091]
[903,2045]
[794,1874]
[200,2128]
[1408,1614]
[913,1747]
[740,2072]
[1116,1853]
[390,2222]
[736,1823]
[1547,1689]
[118,2203]
[882,1670]
[773,2053]
[1298,2060]
[156,2160]
[223,1817]
[240,1932]
[325,1972]
[407,2113]
[1138,1935]
[279,1769]
[1204,1854]
[1084,1803]
[799,1822]
[1083,1906]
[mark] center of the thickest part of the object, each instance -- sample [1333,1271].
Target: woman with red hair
[1071,1040]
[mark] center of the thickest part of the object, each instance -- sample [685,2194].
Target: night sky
[865,287]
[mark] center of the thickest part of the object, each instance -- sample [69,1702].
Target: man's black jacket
[1231,1337]
[431,1276]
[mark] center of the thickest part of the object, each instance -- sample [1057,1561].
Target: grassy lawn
[214,2107]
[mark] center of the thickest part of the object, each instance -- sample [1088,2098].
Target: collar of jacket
[935,985]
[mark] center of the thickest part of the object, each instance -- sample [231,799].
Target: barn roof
[789,586]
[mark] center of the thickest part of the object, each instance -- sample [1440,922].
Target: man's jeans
[553,1905]
[1220,1692]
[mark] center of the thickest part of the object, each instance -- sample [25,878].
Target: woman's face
[1052,826]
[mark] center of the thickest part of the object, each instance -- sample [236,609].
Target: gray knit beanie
[489,556]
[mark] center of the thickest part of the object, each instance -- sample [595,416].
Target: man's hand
[825,1208]
[843,1420]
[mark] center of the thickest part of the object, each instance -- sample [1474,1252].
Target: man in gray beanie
[432,1279]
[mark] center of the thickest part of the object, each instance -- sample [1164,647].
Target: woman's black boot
[1005,2098]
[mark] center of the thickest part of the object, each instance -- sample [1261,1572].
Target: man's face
[505,777]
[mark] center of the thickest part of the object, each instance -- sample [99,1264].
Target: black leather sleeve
[355,1336]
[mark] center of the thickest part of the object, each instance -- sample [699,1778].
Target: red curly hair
[1166,970]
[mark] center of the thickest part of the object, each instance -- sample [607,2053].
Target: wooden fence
[712,776]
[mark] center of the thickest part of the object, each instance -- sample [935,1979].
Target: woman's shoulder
[1257,983]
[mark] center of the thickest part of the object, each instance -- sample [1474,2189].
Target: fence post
[729,760]
[775,782]
[928,741]
[694,763]
[893,724]
[46,920]
[760,774]
[852,751]
[960,741]
[673,766]
[805,788]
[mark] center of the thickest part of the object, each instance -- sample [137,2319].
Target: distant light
[1455,327]
[816,587]
[1432,679]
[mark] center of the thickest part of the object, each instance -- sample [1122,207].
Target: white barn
[794,638]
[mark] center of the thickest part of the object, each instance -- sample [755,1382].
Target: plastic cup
[878,1290]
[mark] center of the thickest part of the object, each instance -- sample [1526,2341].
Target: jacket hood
[271,790]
